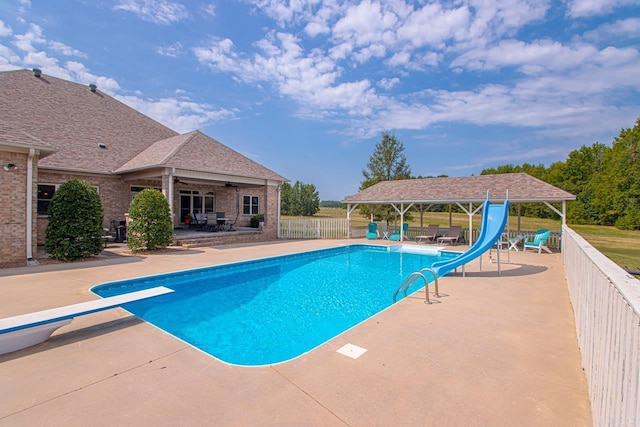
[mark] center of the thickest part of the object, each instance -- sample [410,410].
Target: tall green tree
[577,175]
[299,199]
[617,188]
[388,162]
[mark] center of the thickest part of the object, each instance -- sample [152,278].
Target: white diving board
[25,330]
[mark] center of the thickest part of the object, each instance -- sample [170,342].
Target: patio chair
[372,233]
[200,221]
[539,241]
[452,236]
[396,236]
[430,235]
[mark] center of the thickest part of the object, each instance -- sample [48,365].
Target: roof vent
[37,72]
[93,87]
[103,146]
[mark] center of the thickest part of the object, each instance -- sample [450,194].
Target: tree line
[605,180]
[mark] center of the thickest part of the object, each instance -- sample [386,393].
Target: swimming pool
[271,310]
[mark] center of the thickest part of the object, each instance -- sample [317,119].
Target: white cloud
[623,28]
[65,50]
[432,25]
[180,115]
[209,9]
[172,51]
[5,30]
[156,11]
[540,56]
[586,8]
[386,83]
[366,24]
[26,41]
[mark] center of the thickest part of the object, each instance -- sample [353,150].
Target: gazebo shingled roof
[521,188]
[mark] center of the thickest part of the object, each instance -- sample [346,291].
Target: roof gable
[520,187]
[198,152]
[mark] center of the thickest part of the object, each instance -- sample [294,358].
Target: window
[135,190]
[45,194]
[250,205]
[192,202]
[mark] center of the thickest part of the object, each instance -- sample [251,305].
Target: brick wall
[116,194]
[13,205]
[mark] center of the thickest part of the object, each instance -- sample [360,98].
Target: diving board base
[23,338]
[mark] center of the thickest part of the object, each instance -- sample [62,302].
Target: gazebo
[469,193]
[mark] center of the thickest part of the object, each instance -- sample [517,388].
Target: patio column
[167,190]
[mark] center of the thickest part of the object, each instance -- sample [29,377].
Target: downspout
[30,260]
[278,234]
[170,195]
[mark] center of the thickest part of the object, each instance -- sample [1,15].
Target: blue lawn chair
[396,235]
[538,242]
[372,234]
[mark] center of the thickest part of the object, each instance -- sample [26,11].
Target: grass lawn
[623,247]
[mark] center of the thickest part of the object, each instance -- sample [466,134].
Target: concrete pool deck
[492,351]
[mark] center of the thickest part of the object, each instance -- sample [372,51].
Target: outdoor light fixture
[10,167]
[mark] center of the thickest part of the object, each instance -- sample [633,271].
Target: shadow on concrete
[506,271]
[113,255]
[71,337]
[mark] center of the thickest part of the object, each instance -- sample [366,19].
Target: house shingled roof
[22,140]
[521,187]
[199,152]
[77,122]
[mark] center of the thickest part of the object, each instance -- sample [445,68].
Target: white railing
[606,306]
[316,228]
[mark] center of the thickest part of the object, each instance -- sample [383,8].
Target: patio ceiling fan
[177,180]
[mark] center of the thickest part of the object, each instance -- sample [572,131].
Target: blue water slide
[494,219]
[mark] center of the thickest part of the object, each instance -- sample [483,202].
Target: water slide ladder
[411,279]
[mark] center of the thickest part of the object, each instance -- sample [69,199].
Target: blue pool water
[270,310]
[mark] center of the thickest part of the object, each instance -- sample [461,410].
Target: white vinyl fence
[606,306]
[314,228]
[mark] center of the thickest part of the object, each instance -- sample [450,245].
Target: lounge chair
[372,233]
[538,242]
[430,235]
[452,236]
[396,236]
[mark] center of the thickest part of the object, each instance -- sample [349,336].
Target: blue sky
[306,87]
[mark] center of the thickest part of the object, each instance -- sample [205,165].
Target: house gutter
[30,260]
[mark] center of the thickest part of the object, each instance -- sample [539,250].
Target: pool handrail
[411,279]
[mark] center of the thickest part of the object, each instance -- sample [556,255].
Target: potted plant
[187,218]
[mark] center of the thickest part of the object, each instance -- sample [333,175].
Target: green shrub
[255,220]
[74,229]
[150,226]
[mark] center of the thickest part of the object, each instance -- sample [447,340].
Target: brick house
[53,130]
